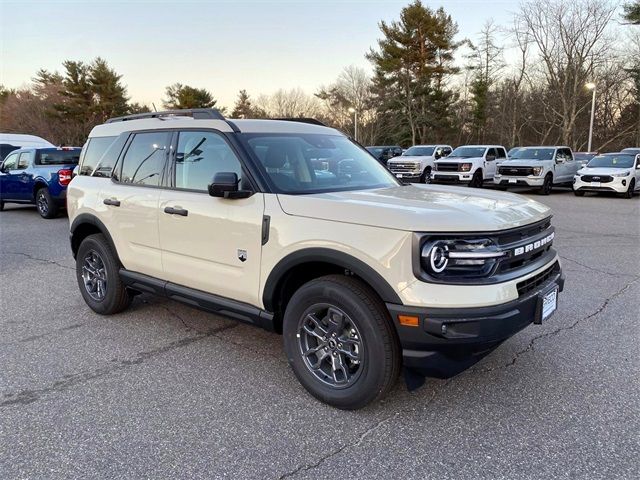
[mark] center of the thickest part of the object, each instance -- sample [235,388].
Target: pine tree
[179,96]
[109,96]
[244,107]
[632,12]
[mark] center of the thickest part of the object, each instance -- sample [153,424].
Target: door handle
[176,211]
[114,202]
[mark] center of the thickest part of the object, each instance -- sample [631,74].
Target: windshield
[533,154]
[611,161]
[468,152]
[583,157]
[419,152]
[58,157]
[315,163]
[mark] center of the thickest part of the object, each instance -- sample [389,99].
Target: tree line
[428,84]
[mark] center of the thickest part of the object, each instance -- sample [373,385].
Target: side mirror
[225,185]
[75,171]
[437,155]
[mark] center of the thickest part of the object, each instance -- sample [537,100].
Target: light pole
[355,122]
[591,86]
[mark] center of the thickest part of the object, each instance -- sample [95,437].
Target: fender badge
[242,255]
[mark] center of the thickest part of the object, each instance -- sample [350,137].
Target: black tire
[115,296]
[630,191]
[426,175]
[1,206]
[476,180]
[547,185]
[45,204]
[578,193]
[375,373]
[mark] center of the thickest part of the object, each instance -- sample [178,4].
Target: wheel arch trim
[325,255]
[87,218]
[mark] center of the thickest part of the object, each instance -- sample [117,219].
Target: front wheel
[340,342]
[426,176]
[97,272]
[547,185]
[578,193]
[476,180]
[630,191]
[45,204]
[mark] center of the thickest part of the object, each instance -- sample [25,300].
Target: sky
[222,45]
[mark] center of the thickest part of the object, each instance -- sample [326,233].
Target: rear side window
[96,147]
[145,159]
[58,157]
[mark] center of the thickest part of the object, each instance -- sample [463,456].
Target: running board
[198,299]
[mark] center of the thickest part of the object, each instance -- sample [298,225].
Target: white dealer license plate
[398,175]
[595,184]
[549,304]
[513,180]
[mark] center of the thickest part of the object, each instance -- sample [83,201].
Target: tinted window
[144,161]
[6,149]
[58,157]
[11,162]
[491,153]
[199,157]
[23,161]
[95,148]
[502,153]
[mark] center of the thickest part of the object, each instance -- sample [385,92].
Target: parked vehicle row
[610,172]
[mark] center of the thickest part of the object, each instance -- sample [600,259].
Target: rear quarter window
[95,150]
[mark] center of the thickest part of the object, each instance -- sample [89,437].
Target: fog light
[624,183]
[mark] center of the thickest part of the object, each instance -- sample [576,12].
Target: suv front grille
[597,178]
[447,167]
[516,171]
[534,282]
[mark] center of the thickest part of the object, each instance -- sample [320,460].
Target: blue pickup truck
[38,176]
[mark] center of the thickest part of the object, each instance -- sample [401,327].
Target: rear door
[130,201]
[211,244]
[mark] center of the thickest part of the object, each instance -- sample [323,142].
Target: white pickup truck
[540,167]
[469,164]
[416,164]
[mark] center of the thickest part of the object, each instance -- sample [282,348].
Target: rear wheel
[47,208]
[547,185]
[630,191]
[476,180]
[97,272]
[578,193]
[340,342]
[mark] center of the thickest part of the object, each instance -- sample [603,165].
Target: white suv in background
[540,167]
[293,227]
[416,164]
[609,172]
[469,164]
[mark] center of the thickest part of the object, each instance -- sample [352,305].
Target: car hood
[602,170]
[433,208]
[409,159]
[523,163]
[459,159]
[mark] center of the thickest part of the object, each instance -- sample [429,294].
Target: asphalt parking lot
[166,391]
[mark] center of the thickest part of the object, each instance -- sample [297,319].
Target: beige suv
[291,226]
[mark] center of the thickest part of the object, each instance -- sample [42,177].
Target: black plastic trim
[197,113]
[266,223]
[339,259]
[199,299]
[87,218]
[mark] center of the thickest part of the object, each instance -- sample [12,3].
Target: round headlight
[438,257]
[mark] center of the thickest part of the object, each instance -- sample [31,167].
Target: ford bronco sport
[293,227]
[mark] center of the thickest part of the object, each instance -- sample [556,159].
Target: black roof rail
[312,121]
[198,113]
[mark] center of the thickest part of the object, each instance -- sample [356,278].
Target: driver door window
[491,154]
[10,162]
[200,155]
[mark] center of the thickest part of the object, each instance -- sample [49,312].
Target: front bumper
[409,176]
[449,340]
[529,181]
[451,177]
[616,185]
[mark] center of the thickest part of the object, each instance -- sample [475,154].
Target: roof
[482,146]
[23,140]
[545,146]
[245,126]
